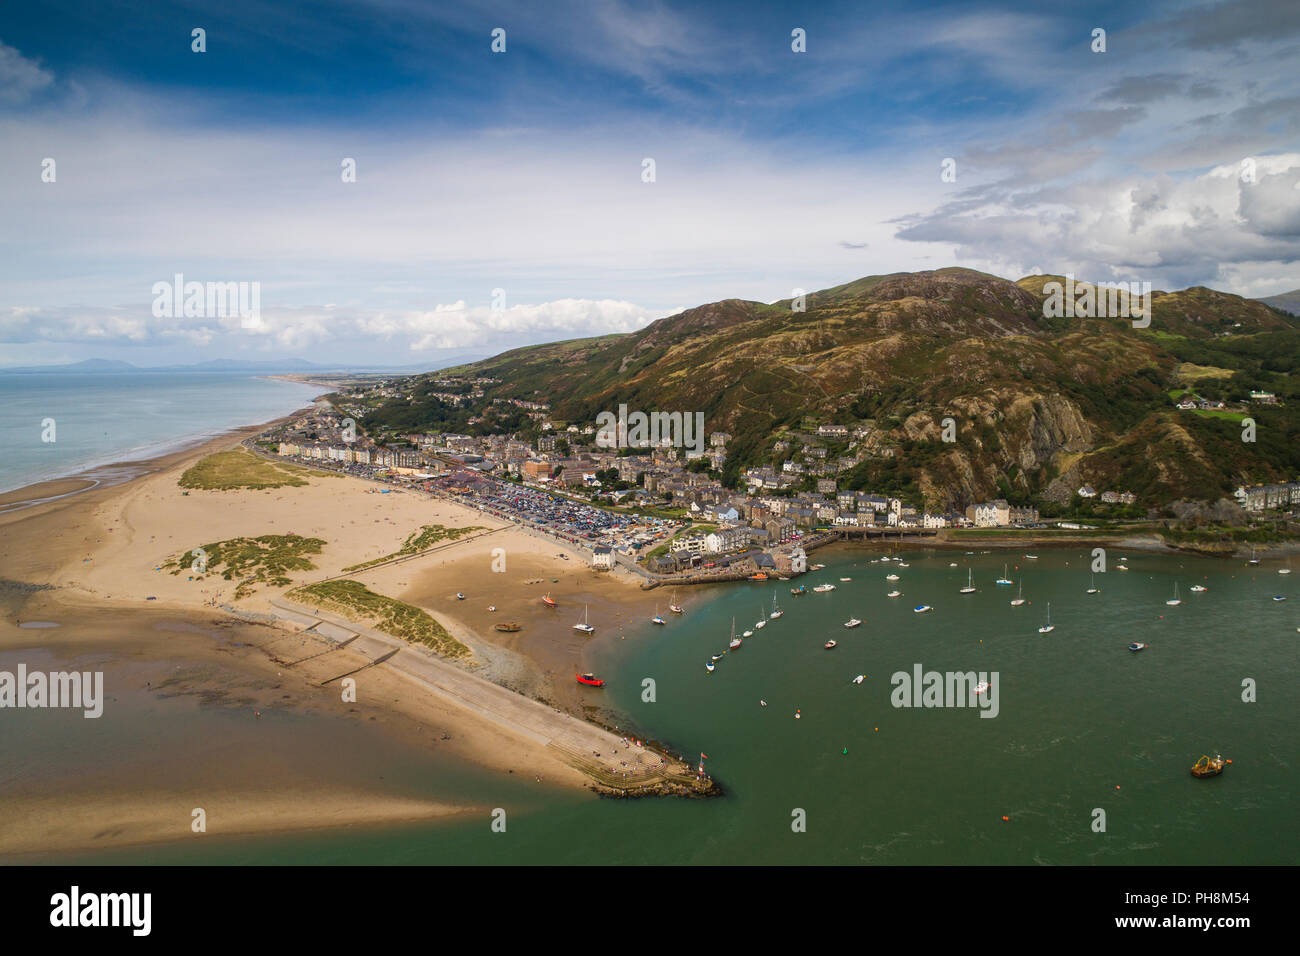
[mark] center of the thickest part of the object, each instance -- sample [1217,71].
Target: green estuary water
[1083,724]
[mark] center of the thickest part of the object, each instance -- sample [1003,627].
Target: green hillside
[1042,405]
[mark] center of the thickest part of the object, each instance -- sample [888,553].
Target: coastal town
[660,512]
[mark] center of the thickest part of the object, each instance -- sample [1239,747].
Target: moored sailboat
[1049,627]
[582,625]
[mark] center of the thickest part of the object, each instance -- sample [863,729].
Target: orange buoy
[1006,819]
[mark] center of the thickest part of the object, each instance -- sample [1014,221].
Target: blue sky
[521,171]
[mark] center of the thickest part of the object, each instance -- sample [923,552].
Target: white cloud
[295,330]
[20,78]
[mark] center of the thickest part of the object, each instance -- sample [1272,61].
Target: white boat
[1279,597]
[1032,557]
[1004,579]
[891,577]
[829,645]
[952,564]
[657,619]
[1175,600]
[748,634]
[1253,560]
[860,678]
[970,582]
[903,564]
[846,579]
[1122,567]
[1283,570]
[817,567]
[1094,589]
[1049,627]
[583,625]
[823,588]
[760,624]
[894,594]
[709,666]
[735,641]
[1198,588]
[1019,599]
[717,657]
[776,611]
[921,609]
[852,622]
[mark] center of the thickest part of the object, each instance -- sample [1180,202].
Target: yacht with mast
[583,625]
[970,582]
[1049,627]
[1019,599]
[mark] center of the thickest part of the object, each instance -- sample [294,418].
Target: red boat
[546,599]
[591,680]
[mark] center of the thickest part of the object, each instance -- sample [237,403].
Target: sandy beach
[89,557]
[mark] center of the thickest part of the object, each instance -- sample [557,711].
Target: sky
[503,198]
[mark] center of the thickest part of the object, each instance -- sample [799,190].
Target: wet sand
[86,562]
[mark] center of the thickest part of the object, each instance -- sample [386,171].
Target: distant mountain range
[1041,405]
[237,365]
[1286,301]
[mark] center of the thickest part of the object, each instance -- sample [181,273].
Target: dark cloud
[1137,90]
[1228,25]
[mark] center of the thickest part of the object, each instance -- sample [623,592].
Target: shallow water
[1083,725]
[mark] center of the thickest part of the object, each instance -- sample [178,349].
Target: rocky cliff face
[1041,405]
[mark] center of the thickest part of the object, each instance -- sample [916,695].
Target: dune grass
[229,470]
[354,601]
[251,561]
[422,540]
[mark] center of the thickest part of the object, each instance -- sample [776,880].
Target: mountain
[1288,302]
[1041,404]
